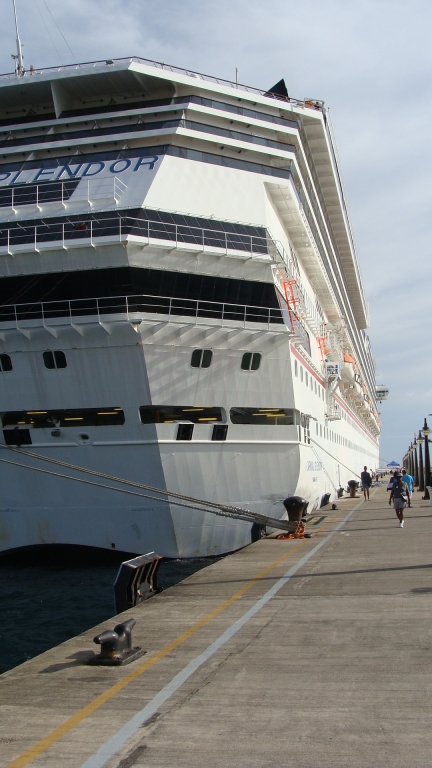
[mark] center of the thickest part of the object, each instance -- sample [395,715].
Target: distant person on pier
[409,480]
[401,497]
[366,482]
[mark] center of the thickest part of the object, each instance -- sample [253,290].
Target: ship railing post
[35,238]
[70,311]
[202,237]
[223,312]
[13,194]
[91,231]
[63,237]
[120,229]
[8,243]
[169,309]
[127,308]
[37,195]
[226,244]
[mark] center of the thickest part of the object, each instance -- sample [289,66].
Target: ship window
[69,417]
[295,367]
[201,358]
[5,363]
[268,416]
[55,359]
[168,414]
[251,361]
[301,373]
[306,378]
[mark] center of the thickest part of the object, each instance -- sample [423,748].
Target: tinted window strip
[174,151]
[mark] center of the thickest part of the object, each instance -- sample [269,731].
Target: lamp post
[427,469]
[420,441]
[410,460]
[415,473]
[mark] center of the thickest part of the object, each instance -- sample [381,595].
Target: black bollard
[116,646]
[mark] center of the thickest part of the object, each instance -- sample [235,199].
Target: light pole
[411,460]
[427,469]
[415,473]
[420,441]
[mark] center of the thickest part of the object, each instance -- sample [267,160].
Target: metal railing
[38,195]
[121,228]
[102,229]
[314,103]
[132,306]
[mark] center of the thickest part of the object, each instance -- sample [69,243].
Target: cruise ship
[181,306]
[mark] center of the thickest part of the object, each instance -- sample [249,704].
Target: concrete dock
[314,653]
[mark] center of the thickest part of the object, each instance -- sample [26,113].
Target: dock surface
[313,653]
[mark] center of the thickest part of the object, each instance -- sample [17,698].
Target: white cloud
[370,60]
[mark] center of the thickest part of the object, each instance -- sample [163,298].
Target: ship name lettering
[80,170]
[313,466]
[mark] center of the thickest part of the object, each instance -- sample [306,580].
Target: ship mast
[19,61]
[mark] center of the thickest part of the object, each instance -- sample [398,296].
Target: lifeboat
[348,369]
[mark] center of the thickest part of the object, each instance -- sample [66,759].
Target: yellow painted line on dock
[41,746]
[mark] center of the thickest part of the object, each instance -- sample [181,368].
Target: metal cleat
[116,646]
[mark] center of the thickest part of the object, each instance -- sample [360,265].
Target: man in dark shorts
[401,497]
[366,482]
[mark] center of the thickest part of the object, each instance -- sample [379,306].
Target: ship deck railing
[311,103]
[102,229]
[136,309]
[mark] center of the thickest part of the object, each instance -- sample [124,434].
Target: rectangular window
[54,359]
[70,417]
[251,361]
[5,363]
[268,416]
[168,414]
[201,358]
[295,367]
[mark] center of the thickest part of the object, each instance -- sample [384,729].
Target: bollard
[116,646]
[352,485]
[296,508]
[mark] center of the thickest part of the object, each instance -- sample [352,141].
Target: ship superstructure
[181,305]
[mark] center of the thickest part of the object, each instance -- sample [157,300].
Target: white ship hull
[115,278]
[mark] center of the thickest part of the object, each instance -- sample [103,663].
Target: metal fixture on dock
[116,646]
[136,581]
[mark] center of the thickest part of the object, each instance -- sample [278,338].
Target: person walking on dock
[401,497]
[409,480]
[366,482]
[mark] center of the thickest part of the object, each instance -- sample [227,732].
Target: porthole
[251,361]
[201,358]
[5,363]
[54,359]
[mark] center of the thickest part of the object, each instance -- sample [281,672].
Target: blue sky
[370,61]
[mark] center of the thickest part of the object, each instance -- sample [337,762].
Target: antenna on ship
[18,58]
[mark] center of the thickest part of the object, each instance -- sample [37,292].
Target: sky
[370,61]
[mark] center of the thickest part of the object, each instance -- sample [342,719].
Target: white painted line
[116,742]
